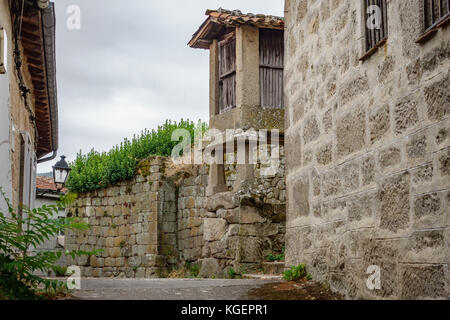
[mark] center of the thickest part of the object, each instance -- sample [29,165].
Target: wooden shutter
[227,73]
[271,62]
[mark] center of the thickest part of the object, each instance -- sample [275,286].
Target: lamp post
[61,171]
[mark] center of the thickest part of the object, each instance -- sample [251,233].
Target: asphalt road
[165,289]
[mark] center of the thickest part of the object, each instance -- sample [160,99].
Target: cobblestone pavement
[166,289]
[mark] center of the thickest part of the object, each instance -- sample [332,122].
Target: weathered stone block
[331,183]
[423,281]
[214,229]
[353,88]
[300,198]
[395,205]
[311,130]
[350,176]
[423,174]
[384,254]
[417,147]
[324,154]
[368,170]
[249,215]
[437,98]
[293,143]
[389,157]
[429,204]
[209,267]
[405,114]
[444,163]
[225,200]
[379,123]
[250,249]
[351,132]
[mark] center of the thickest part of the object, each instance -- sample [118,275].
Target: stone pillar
[245,169]
[216,179]
[247,66]
[213,79]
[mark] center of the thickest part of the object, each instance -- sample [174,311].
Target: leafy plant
[60,271]
[295,273]
[193,269]
[97,170]
[279,257]
[231,273]
[20,233]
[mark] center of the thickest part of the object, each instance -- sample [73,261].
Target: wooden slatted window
[375,35]
[271,65]
[227,73]
[435,12]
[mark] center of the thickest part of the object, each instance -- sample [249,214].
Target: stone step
[274,268]
[262,277]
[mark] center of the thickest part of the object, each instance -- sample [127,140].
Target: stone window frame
[366,50]
[3,51]
[431,30]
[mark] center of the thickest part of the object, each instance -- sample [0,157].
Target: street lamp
[61,172]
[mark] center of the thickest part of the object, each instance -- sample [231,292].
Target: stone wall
[191,211]
[160,220]
[126,223]
[367,146]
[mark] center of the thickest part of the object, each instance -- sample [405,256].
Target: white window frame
[29,172]
[3,51]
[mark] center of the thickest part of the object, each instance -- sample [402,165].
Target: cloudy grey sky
[129,67]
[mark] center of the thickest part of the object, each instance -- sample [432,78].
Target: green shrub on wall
[97,170]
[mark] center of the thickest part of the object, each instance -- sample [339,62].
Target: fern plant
[22,232]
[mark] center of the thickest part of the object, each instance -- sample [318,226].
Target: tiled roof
[219,20]
[237,17]
[46,183]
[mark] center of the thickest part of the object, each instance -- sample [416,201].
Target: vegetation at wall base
[276,257]
[22,231]
[296,273]
[98,170]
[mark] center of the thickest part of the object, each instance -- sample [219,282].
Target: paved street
[166,289]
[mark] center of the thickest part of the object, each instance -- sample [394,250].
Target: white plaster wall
[5,160]
[52,243]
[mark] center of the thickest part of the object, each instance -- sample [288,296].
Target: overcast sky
[129,68]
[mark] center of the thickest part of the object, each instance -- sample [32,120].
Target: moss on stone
[144,168]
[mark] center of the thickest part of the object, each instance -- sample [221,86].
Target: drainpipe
[53,156]
[43,4]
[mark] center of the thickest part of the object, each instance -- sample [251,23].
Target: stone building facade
[367,146]
[28,104]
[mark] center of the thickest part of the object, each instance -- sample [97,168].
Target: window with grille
[227,73]
[271,64]
[376,23]
[435,12]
